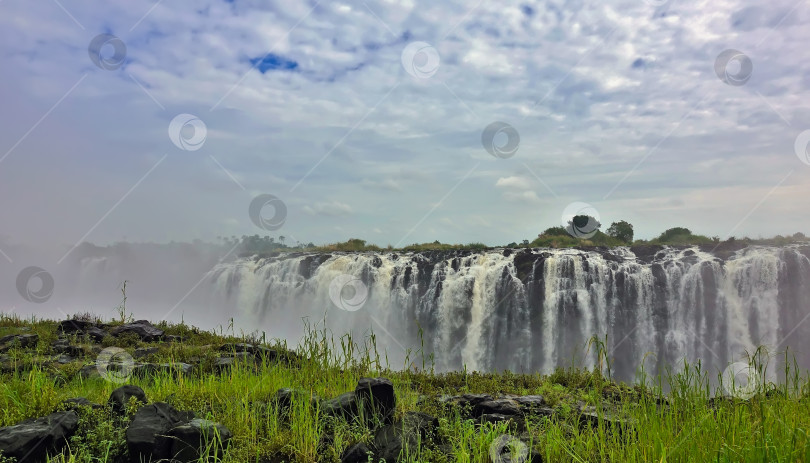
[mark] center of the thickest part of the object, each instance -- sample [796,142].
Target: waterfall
[535,310]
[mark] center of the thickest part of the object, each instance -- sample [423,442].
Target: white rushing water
[536,310]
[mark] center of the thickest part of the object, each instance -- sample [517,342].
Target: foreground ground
[579,415]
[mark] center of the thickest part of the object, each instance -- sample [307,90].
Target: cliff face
[535,309]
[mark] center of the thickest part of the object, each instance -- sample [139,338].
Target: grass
[770,426]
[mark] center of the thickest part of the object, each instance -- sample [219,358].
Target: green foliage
[768,427]
[622,231]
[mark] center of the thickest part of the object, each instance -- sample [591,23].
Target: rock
[96,334]
[344,405]
[199,438]
[590,416]
[78,402]
[284,398]
[413,430]
[377,395]
[23,341]
[173,338]
[64,359]
[509,449]
[507,407]
[63,346]
[31,440]
[147,370]
[147,434]
[75,326]
[145,330]
[119,399]
[89,371]
[357,453]
[144,351]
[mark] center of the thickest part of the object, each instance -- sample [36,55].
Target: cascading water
[534,310]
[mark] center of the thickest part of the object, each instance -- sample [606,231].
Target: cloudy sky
[367,119]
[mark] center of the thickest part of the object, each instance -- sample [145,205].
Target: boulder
[89,371]
[199,439]
[284,398]
[144,351]
[78,402]
[507,407]
[357,453]
[119,399]
[415,429]
[344,405]
[148,370]
[145,330]
[18,340]
[31,440]
[96,334]
[377,396]
[147,434]
[75,326]
[63,346]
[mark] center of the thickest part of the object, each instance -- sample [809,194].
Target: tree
[555,231]
[672,233]
[582,226]
[621,230]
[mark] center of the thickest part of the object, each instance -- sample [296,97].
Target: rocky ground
[163,393]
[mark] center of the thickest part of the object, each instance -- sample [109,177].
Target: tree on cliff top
[621,230]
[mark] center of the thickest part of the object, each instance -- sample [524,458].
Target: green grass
[772,426]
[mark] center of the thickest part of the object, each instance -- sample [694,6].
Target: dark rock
[591,416]
[284,398]
[147,434]
[199,439]
[75,326]
[23,341]
[175,370]
[78,402]
[145,330]
[96,334]
[413,430]
[63,346]
[144,351]
[31,440]
[64,359]
[119,399]
[344,405]
[89,371]
[498,407]
[377,395]
[173,338]
[357,453]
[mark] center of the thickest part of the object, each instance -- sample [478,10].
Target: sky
[399,121]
